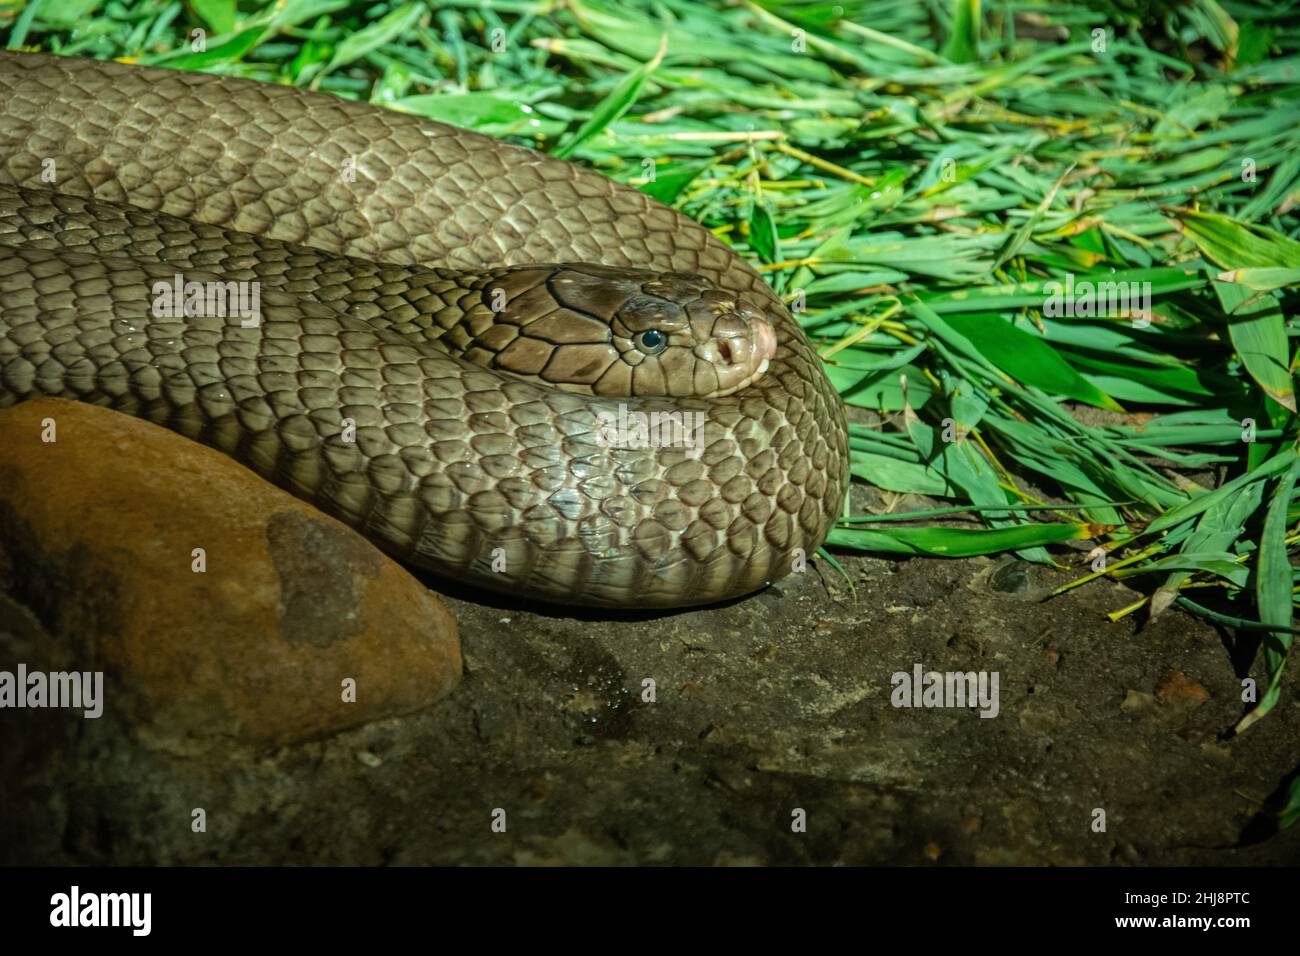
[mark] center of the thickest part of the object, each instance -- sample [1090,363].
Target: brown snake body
[356,393]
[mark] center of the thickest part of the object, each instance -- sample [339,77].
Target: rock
[1136,702]
[1178,688]
[98,536]
[1217,752]
[1010,578]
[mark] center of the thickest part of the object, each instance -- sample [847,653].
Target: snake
[501,367]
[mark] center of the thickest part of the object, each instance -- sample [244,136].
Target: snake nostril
[724,350]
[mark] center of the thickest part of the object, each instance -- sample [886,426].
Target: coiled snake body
[377,383]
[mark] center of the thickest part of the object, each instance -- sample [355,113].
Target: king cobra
[455,339]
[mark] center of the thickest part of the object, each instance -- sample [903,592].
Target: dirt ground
[764,707]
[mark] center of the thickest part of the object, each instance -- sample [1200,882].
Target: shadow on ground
[762,708]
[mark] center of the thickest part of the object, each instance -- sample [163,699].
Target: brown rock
[98,532]
[1178,688]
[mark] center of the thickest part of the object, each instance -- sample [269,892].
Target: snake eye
[651,341]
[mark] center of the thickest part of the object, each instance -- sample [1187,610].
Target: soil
[1107,746]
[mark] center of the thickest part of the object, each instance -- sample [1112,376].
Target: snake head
[624,332]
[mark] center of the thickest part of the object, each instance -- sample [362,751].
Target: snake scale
[378,383]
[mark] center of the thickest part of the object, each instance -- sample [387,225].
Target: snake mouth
[737,351]
[740,360]
[765,341]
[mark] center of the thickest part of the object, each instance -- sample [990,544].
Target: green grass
[914,177]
